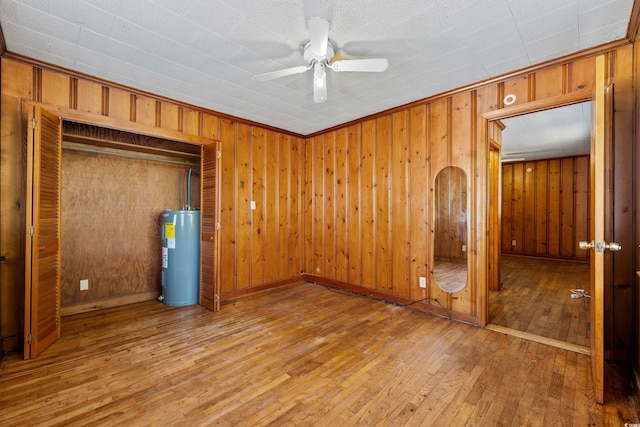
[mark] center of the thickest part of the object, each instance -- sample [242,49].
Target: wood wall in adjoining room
[262,246]
[111,208]
[545,207]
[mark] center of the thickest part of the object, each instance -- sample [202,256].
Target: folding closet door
[42,259]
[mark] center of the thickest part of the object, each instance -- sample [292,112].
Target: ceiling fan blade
[319,83]
[281,73]
[371,65]
[318,36]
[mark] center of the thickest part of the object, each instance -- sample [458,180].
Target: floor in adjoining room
[300,355]
[536,298]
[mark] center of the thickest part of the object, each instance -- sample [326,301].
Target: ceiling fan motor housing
[310,58]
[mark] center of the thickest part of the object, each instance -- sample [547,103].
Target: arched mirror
[450,229]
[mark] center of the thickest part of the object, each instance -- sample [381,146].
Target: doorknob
[585,245]
[600,246]
[613,246]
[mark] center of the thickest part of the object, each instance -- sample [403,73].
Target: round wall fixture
[529,170]
[509,99]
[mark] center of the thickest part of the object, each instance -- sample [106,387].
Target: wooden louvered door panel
[42,284]
[209,233]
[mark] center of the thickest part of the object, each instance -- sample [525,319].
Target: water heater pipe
[189,186]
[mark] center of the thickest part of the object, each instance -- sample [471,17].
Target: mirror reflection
[450,229]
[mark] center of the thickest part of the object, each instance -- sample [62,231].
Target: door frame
[484,121]
[597,303]
[68,114]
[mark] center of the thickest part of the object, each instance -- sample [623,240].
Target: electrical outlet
[513,243]
[423,282]
[84,284]
[464,248]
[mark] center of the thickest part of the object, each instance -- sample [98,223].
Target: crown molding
[594,51]
[88,77]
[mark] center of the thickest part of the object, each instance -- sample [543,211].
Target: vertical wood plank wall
[393,158]
[619,338]
[351,205]
[545,207]
[635,238]
[260,248]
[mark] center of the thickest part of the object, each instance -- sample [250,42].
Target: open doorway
[543,187]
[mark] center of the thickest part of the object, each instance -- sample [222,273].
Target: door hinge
[31,230]
[219,154]
[33,123]
[29,338]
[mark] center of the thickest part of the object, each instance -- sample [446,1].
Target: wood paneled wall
[368,186]
[545,207]
[351,205]
[619,332]
[261,248]
[635,263]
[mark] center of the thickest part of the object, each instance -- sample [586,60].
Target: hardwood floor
[300,355]
[536,298]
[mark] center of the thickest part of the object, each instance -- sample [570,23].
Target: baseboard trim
[109,303]
[425,307]
[260,288]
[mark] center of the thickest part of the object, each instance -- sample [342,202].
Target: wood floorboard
[299,355]
[536,299]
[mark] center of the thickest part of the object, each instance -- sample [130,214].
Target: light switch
[253,205]
[84,284]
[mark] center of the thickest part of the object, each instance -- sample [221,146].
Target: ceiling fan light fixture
[319,82]
[319,74]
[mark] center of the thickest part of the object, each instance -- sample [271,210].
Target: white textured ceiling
[560,132]
[205,52]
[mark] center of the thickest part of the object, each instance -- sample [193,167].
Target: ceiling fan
[318,53]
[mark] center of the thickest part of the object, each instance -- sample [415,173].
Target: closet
[94,197]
